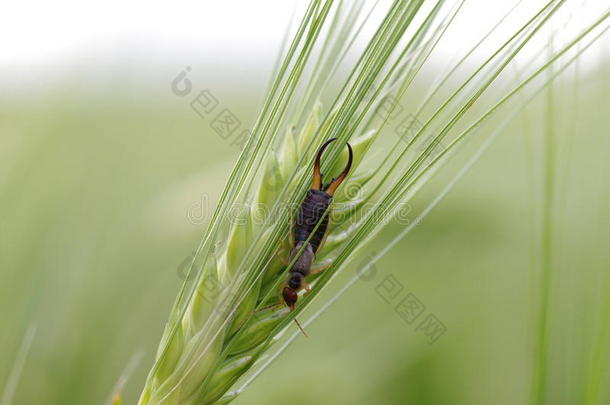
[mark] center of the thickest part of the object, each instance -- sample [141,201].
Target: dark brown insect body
[312,223]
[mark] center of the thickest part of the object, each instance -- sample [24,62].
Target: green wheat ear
[225,319]
[246,336]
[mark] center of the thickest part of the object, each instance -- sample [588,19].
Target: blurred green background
[105,192]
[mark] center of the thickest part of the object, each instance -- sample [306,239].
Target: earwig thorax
[295,281]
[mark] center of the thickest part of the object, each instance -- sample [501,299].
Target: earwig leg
[278,304]
[316,270]
[280,253]
[272,306]
[308,290]
[317,176]
[281,258]
[291,230]
[285,247]
[332,187]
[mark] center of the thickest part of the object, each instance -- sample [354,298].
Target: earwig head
[317,176]
[290,297]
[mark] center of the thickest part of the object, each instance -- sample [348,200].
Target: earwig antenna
[317,177]
[301,328]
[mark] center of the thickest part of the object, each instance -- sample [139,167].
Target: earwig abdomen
[313,209]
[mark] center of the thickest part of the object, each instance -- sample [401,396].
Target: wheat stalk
[225,318]
[9,390]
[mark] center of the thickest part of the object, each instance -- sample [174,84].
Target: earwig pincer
[308,235]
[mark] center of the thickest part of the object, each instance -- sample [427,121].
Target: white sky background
[40,40]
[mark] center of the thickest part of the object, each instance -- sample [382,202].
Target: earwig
[313,210]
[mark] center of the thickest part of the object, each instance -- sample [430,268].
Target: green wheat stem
[601,350]
[21,356]
[546,254]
